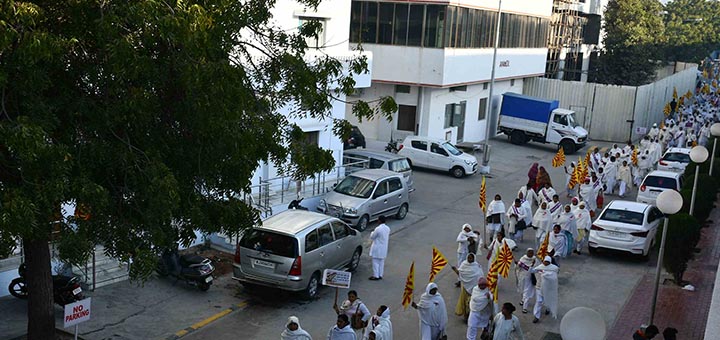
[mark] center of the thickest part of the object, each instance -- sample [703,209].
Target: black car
[355,140]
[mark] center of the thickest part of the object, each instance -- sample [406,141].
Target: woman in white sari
[469,272]
[506,325]
[525,286]
[432,312]
[542,222]
[547,291]
[293,331]
[583,222]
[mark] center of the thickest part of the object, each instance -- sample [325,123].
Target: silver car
[365,195]
[291,249]
[356,160]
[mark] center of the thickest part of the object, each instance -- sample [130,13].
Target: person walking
[542,222]
[463,238]
[469,272]
[481,307]
[611,172]
[293,331]
[378,250]
[516,216]
[380,324]
[432,312]
[646,334]
[341,330]
[494,216]
[525,284]
[584,223]
[546,290]
[624,177]
[356,312]
[506,326]
[558,243]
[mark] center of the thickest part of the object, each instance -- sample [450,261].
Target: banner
[559,159]
[438,263]
[482,201]
[409,287]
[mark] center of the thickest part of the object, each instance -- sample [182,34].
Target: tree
[151,116]
[633,30]
[692,28]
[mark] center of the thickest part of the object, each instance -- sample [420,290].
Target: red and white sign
[77,312]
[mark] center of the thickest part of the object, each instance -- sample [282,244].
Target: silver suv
[356,160]
[291,249]
[365,195]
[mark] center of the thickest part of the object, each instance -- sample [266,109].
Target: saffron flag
[634,156]
[559,159]
[409,287]
[482,200]
[675,96]
[587,162]
[585,170]
[438,263]
[666,109]
[492,278]
[543,251]
[662,125]
[503,260]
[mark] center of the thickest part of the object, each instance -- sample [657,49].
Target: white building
[435,59]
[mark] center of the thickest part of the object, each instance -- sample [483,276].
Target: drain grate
[552,336]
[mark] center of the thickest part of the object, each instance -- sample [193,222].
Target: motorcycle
[295,204]
[66,289]
[392,146]
[195,270]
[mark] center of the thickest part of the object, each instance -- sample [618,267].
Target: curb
[196,326]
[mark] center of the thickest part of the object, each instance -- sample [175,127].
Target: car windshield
[571,120]
[399,165]
[356,187]
[452,149]
[270,242]
[622,216]
[660,182]
[677,157]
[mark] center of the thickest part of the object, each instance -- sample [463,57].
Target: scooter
[295,204]
[195,270]
[66,289]
[392,146]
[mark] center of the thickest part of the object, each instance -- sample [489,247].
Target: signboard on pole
[640,130]
[336,278]
[77,312]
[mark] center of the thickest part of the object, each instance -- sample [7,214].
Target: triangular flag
[482,201]
[409,287]
[543,251]
[559,159]
[438,263]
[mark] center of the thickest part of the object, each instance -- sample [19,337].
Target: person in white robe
[495,217]
[587,191]
[542,221]
[584,223]
[615,150]
[557,243]
[691,138]
[293,331]
[524,281]
[546,194]
[342,329]
[704,134]
[381,325]
[598,189]
[528,212]
[555,207]
[465,234]
[568,223]
[378,250]
[654,131]
[468,273]
[432,312]
[605,159]
[569,170]
[506,326]
[595,159]
[611,170]
[574,203]
[498,242]
[546,290]
[624,178]
[656,150]
[529,194]
[680,137]
[645,163]
[353,305]
[481,308]
[515,214]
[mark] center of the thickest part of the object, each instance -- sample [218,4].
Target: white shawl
[469,273]
[299,334]
[346,333]
[431,308]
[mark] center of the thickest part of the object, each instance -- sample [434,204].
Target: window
[339,229]
[415,25]
[434,25]
[376,163]
[436,148]
[676,157]
[325,235]
[512,82]
[355,186]
[622,216]
[454,114]
[406,118]
[311,241]
[270,242]
[385,23]
[399,165]
[311,137]
[485,86]
[401,24]
[482,108]
[319,40]
[416,144]
[660,182]
[560,119]
[369,25]
[394,184]
[381,189]
[402,89]
[458,88]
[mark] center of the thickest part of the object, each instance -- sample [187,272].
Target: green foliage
[705,196]
[692,29]
[153,115]
[682,237]
[633,32]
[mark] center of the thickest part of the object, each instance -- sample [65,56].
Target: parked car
[355,140]
[437,154]
[656,182]
[291,249]
[626,226]
[674,159]
[369,159]
[365,195]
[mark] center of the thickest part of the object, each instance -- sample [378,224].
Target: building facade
[435,59]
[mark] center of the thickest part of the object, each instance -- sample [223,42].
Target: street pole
[488,108]
[692,197]
[712,157]
[657,270]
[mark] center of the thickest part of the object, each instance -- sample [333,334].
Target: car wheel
[18,288]
[204,286]
[402,212]
[355,260]
[311,291]
[362,223]
[568,146]
[592,250]
[457,172]
[518,137]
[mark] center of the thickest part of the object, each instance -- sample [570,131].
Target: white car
[625,226]
[437,154]
[674,159]
[656,182]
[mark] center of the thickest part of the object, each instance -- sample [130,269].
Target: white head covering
[298,334]
[469,273]
[432,308]
[547,259]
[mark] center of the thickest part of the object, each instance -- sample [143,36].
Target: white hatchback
[437,154]
[656,182]
[674,159]
[625,226]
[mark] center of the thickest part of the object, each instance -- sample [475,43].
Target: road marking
[203,323]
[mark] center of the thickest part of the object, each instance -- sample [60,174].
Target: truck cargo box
[526,107]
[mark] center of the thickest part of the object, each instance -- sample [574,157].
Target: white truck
[524,118]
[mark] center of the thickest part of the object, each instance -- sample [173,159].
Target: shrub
[682,237]
[704,197]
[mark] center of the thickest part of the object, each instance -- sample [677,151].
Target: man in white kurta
[495,217]
[555,207]
[515,214]
[546,194]
[342,330]
[432,312]
[378,250]
[462,240]
[587,191]
[584,223]
[611,170]
[624,177]
[546,290]
[542,221]
[524,282]
[654,131]
[481,308]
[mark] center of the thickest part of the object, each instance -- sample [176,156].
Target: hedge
[682,237]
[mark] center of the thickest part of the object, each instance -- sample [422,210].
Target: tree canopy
[692,29]
[150,116]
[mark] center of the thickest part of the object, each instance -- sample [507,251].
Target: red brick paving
[687,311]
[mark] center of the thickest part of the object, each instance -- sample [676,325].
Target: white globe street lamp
[582,323]
[698,154]
[669,202]
[715,132]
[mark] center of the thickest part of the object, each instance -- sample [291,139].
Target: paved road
[441,205]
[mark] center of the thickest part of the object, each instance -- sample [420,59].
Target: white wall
[286,14]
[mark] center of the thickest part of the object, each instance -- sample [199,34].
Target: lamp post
[715,132]
[698,155]
[669,202]
[485,168]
